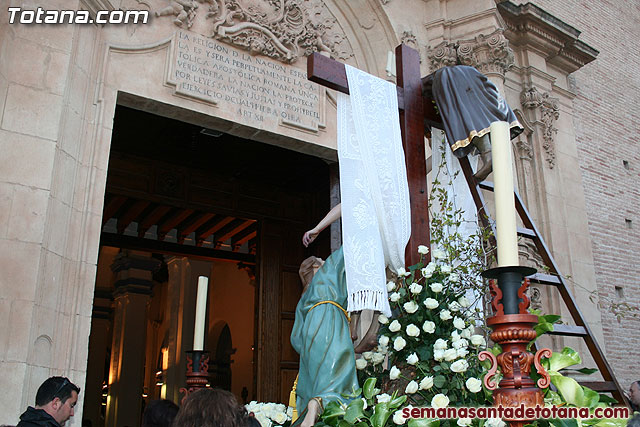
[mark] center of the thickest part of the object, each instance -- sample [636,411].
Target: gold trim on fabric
[333,303]
[464,142]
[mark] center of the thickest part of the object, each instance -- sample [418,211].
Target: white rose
[399,343]
[474,385]
[411,388]
[431,303]
[467,332]
[361,364]
[464,301]
[377,358]
[440,344]
[450,354]
[398,418]
[426,273]
[439,401]
[415,288]
[438,355]
[410,307]
[413,330]
[458,323]
[454,306]
[462,352]
[367,355]
[394,297]
[394,373]
[384,397]
[429,327]
[439,254]
[454,277]
[383,319]
[426,383]
[383,340]
[395,326]
[390,286]
[263,420]
[422,249]
[436,287]
[445,269]
[412,359]
[477,340]
[445,314]
[279,418]
[460,343]
[459,366]
[495,422]
[455,336]
[464,422]
[403,272]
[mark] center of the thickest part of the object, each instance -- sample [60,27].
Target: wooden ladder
[553,278]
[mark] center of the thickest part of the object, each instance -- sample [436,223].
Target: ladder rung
[486,185]
[545,279]
[567,330]
[601,386]
[526,232]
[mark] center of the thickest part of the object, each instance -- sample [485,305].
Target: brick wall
[607,126]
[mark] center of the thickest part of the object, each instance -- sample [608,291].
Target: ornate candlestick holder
[513,329]
[197,372]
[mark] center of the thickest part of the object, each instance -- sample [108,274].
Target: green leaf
[569,388]
[332,412]
[611,422]
[369,387]
[423,422]
[542,328]
[354,411]
[549,318]
[439,381]
[591,398]
[380,415]
[568,357]
[586,371]
[398,401]
[564,422]
[608,399]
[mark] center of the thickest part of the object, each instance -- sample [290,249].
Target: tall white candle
[507,237]
[201,313]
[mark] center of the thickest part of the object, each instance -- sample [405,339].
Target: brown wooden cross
[332,74]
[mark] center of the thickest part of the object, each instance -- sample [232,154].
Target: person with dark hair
[211,407]
[159,413]
[55,402]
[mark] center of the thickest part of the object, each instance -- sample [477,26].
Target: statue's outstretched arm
[333,215]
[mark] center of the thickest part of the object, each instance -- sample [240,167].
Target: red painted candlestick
[514,331]
[197,372]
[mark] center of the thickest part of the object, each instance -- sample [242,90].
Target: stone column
[126,374]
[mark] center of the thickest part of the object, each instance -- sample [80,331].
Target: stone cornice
[529,26]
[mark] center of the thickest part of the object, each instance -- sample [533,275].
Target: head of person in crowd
[159,413]
[211,407]
[634,395]
[56,398]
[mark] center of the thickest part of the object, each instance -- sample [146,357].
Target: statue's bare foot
[313,409]
[486,168]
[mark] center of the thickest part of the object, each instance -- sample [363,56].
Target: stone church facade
[75,99]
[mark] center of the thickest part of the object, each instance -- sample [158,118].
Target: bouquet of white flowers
[270,414]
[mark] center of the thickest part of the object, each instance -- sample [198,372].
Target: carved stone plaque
[254,90]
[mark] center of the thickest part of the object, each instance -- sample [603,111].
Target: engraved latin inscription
[254,88]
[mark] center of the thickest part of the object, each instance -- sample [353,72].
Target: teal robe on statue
[321,336]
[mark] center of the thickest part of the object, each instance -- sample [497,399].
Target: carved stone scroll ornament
[284,30]
[490,54]
[411,40]
[547,111]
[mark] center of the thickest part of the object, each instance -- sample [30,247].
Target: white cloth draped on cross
[376,215]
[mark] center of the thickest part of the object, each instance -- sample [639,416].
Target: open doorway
[183,201]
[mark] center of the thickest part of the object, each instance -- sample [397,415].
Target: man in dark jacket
[55,402]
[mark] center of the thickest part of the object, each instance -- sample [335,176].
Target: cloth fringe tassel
[367,299]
